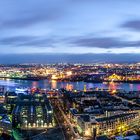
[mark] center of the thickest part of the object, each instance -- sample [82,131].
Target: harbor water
[11,84]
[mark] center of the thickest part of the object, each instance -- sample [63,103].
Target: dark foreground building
[31,111]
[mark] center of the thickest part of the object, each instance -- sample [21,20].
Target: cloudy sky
[70,30]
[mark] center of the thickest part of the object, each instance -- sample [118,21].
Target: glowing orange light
[54,84]
[69,73]
[54,77]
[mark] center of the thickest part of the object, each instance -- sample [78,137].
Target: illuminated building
[54,77]
[115,77]
[85,88]
[107,126]
[69,73]
[33,111]
[5,123]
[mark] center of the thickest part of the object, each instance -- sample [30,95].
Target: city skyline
[69,69]
[69,30]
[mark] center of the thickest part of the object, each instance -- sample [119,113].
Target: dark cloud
[35,41]
[29,20]
[16,40]
[24,14]
[103,42]
[51,41]
[132,24]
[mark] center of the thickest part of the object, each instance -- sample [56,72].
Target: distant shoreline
[97,81]
[128,81]
[32,78]
[70,80]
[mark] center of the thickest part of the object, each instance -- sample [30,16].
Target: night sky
[44,31]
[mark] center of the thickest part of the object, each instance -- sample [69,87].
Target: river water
[12,84]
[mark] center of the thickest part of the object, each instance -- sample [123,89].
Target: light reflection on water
[68,85]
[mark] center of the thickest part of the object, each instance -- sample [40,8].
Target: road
[66,119]
[64,138]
